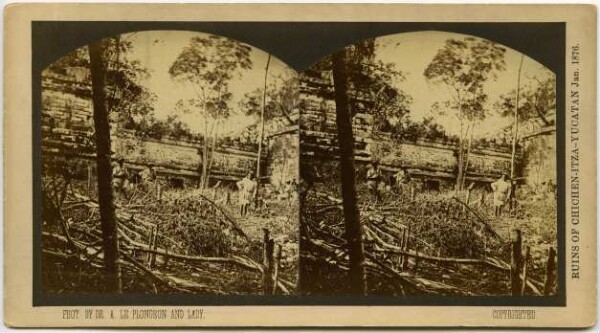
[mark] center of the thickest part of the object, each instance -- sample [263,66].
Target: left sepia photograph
[170,165]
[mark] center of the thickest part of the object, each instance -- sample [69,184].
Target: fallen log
[403,277]
[60,255]
[183,283]
[461,261]
[436,285]
[124,228]
[198,259]
[150,273]
[328,208]
[383,228]
[235,260]
[90,203]
[124,236]
[130,224]
[389,248]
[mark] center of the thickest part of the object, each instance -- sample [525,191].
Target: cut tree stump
[268,245]
[550,272]
[515,264]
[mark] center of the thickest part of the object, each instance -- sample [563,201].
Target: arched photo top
[428,126]
[182,129]
[169,75]
[448,79]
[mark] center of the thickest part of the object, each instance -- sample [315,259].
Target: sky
[157,50]
[412,52]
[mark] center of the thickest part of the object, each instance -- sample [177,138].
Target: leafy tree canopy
[373,85]
[209,62]
[282,100]
[537,101]
[151,127]
[464,65]
[126,95]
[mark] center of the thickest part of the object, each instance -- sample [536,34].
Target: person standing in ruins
[247,188]
[120,178]
[373,179]
[148,177]
[502,190]
[405,184]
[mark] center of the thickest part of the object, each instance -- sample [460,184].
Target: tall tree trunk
[108,219]
[353,232]
[111,102]
[468,155]
[215,136]
[204,176]
[213,147]
[262,129]
[459,173]
[515,136]
[516,122]
[461,142]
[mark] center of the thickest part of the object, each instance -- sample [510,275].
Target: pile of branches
[179,245]
[192,223]
[432,245]
[444,225]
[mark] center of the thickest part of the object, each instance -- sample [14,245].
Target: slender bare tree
[262,128]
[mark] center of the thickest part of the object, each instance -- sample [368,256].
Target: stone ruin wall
[283,162]
[67,128]
[433,160]
[540,167]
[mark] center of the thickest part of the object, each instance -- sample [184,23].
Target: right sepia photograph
[428,167]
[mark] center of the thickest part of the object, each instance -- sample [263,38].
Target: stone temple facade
[433,163]
[67,130]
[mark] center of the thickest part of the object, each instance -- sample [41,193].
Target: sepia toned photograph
[169,166]
[299,166]
[428,161]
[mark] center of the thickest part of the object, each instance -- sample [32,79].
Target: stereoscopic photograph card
[300,165]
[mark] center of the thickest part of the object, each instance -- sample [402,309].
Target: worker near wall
[373,179]
[247,188]
[148,177]
[120,178]
[405,183]
[502,189]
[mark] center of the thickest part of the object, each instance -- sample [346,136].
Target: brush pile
[182,243]
[433,245]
